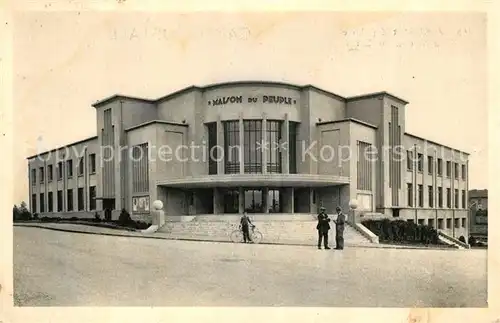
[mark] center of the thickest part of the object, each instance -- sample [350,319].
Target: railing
[456,241]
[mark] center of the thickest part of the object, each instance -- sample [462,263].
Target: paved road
[69,269]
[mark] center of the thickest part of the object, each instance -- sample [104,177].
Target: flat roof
[435,143]
[243,83]
[155,121]
[346,120]
[62,147]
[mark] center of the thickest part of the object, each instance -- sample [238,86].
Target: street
[54,268]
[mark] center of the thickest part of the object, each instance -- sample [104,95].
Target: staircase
[301,232]
[452,241]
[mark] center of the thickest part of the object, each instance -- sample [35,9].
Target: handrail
[454,240]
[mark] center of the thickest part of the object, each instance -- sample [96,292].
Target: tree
[21,212]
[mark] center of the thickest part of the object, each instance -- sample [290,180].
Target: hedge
[402,231]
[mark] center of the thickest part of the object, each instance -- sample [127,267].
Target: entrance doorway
[108,205]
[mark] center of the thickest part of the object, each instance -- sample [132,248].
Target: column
[265,145]
[241,145]
[312,205]
[220,147]
[217,201]
[265,199]
[285,153]
[241,197]
[288,200]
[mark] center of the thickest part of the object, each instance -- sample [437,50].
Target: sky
[64,62]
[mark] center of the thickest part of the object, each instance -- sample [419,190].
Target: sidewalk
[89,229]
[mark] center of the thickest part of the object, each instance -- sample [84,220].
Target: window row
[431,194]
[442,224]
[63,204]
[460,170]
[68,165]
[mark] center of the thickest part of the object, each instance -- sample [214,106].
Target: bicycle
[255,235]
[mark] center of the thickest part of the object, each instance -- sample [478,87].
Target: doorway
[108,206]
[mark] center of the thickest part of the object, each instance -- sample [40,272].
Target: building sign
[270,99]
[140,204]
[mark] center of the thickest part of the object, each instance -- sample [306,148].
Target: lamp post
[353,205]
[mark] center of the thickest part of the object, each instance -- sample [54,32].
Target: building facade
[478,204]
[259,147]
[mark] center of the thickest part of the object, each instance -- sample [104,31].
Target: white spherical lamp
[353,204]
[157,205]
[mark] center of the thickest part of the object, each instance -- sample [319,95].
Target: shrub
[21,213]
[124,219]
[97,217]
[462,239]
[73,218]
[472,241]
[399,231]
[35,216]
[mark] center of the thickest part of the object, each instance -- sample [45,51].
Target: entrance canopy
[256,180]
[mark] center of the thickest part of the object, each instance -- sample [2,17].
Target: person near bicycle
[245,224]
[323,227]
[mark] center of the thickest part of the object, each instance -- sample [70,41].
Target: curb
[376,246]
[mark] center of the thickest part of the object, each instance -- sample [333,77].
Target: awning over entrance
[256,180]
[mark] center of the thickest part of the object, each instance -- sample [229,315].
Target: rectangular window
[430,164]
[292,146]
[410,194]
[431,223]
[70,200]
[364,166]
[92,164]
[409,160]
[42,202]
[232,147]
[50,201]
[50,173]
[456,175]
[440,224]
[252,154]
[440,197]
[92,196]
[213,151]
[464,201]
[421,221]
[273,139]
[59,201]
[42,174]
[431,195]
[456,199]
[81,199]
[33,204]
[420,195]
[464,173]
[457,223]
[69,168]
[33,177]
[420,164]
[448,168]
[81,167]
[440,167]
[140,168]
[448,198]
[464,222]
[448,223]
[59,171]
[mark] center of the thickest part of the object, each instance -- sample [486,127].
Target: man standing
[244,225]
[339,229]
[323,226]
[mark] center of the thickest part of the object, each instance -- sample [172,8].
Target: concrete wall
[136,112]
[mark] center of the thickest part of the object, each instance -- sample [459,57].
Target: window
[42,202]
[420,164]
[92,164]
[431,195]
[410,194]
[456,174]
[431,223]
[33,177]
[252,154]
[253,201]
[59,171]
[92,195]
[409,160]
[59,201]
[33,203]
[274,201]
[464,222]
[213,150]
[448,168]
[456,199]
[448,223]
[430,164]
[420,195]
[81,167]
[70,200]
[292,147]
[457,223]
[231,201]
[464,201]
[440,167]
[440,197]
[81,199]
[232,147]
[50,173]
[440,224]
[273,139]
[50,204]
[69,166]
[42,174]
[464,173]
[448,198]
[421,221]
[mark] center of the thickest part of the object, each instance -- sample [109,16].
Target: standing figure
[339,229]
[244,225]
[323,227]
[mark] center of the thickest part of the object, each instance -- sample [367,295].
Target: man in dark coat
[323,226]
[339,229]
[245,224]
